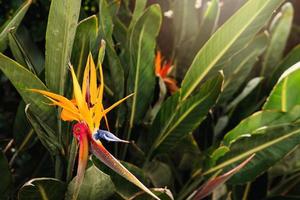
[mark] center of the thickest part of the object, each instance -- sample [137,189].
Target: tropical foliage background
[216,105]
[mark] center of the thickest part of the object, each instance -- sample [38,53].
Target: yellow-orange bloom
[87,106]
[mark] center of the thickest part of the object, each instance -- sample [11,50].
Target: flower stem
[58,167]
[71,161]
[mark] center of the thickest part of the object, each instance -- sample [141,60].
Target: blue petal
[108,136]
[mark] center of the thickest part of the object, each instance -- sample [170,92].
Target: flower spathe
[87,109]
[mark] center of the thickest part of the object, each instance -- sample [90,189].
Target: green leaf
[209,22]
[159,173]
[138,11]
[238,68]
[114,65]
[96,186]
[288,165]
[279,30]
[251,85]
[42,188]
[23,80]
[46,135]
[141,46]
[176,119]
[292,58]
[60,34]
[6,177]
[260,120]
[85,38]
[284,96]
[12,23]
[186,26]
[123,187]
[269,146]
[228,40]
[25,51]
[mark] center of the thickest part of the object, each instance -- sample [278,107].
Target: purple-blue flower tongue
[108,136]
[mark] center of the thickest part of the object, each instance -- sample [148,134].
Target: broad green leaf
[96,186]
[141,46]
[186,21]
[279,31]
[238,68]
[292,58]
[105,20]
[209,22]
[25,51]
[60,34]
[186,25]
[12,23]
[138,11]
[46,135]
[176,119]
[85,38]
[228,40]
[190,154]
[114,65]
[218,153]
[284,96]
[269,146]
[124,188]
[260,120]
[23,80]
[42,188]
[288,165]
[251,85]
[6,177]
[159,173]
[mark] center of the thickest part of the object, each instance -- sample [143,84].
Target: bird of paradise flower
[88,111]
[162,70]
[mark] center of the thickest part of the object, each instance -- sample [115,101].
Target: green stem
[71,161]
[22,146]
[58,167]
[246,192]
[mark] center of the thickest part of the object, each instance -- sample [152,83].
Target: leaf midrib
[136,81]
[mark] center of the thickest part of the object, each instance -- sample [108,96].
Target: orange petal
[101,88]
[74,111]
[93,79]
[63,100]
[80,100]
[85,80]
[99,114]
[101,153]
[166,69]
[68,116]
[157,63]
[171,85]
